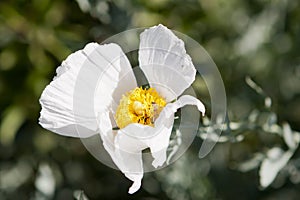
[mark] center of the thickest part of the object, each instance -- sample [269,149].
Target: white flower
[114,98]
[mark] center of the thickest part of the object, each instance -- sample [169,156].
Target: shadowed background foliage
[258,38]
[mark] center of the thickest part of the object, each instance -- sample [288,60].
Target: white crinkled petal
[127,158]
[131,140]
[126,83]
[125,148]
[128,151]
[83,87]
[163,59]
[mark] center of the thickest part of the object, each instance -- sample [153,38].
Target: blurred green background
[256,38]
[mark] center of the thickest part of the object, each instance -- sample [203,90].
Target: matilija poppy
[144,116]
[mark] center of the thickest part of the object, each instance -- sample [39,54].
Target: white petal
[163,59]
[127,159]
[135,186]
[190,100]
[125,147]
[129,147]
[128,151]
[132,140]
[82,88]
[136,137]
[126,83]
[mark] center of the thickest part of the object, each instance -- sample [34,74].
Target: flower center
[139,106]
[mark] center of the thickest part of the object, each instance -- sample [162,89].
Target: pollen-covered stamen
[139,106]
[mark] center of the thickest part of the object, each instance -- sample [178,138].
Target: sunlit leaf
[251,163]
[79,195]
[12,120]
[14,175]
[276,159]
[45,182]
[290,138]
[259,90]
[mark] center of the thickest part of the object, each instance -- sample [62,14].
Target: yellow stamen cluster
[139,106]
